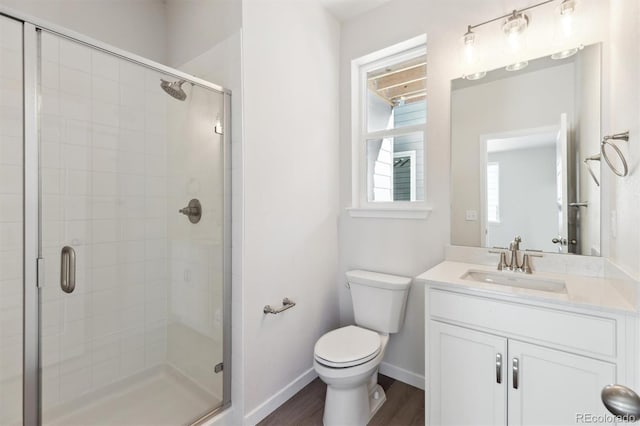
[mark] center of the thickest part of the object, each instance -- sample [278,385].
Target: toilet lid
[347,346]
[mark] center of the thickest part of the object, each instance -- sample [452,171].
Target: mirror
[524,156]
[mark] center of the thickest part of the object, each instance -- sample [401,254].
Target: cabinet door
[554,387]
[466,386]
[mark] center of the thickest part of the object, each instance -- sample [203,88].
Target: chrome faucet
[514,248]
[514,263]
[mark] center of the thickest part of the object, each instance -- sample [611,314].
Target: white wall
[195,26]
[136,26]
[404,246]
[523,101]
[290,90]
[622,112]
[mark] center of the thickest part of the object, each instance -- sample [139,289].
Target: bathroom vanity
[515,354]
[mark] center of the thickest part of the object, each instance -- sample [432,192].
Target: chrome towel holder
[595,157]
[286,304]
[607,140]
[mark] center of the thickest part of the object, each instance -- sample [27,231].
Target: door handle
[516,373]
[498,368]
[68,269]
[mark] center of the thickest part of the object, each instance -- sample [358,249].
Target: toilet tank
[379,300]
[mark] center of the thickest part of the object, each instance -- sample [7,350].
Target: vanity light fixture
[514,26]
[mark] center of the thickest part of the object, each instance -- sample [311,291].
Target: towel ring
[595,157]
[607,141]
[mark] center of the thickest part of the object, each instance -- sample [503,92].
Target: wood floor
[404,406]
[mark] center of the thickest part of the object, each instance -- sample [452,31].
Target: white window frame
[489,221]
[361,206]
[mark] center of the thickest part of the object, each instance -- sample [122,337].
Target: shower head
[174,88]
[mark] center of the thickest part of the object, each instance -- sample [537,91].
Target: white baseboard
[270,405]
[402,375]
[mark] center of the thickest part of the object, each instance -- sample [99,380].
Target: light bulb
[567,8]
[469,40]
[513,27]
[567,24]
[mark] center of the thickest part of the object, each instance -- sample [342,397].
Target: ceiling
[348,9]
[404,82]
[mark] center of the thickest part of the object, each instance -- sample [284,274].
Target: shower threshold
[161,396]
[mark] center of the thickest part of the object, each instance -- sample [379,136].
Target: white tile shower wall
[104,182]
[11,243]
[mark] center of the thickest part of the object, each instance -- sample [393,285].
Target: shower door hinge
[40,272]
[218,368]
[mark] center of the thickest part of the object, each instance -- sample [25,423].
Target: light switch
[471,215]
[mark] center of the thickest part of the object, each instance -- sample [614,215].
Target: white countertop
[582,291]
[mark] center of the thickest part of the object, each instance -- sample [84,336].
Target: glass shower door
[11,222]
[132,305]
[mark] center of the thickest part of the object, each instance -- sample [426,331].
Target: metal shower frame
[32,257]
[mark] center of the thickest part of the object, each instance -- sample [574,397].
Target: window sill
[416,214]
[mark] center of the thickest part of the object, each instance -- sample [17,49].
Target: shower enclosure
[114,300]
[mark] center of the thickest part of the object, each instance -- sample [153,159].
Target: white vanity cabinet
[493,361]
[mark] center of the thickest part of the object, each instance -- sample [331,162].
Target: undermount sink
[513,279]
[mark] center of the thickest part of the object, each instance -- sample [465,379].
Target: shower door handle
[68,269]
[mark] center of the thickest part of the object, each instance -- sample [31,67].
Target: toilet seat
[347,347]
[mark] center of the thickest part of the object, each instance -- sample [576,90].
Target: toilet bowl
[347,359]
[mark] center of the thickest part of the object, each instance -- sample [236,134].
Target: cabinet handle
[516,371]
[498,368]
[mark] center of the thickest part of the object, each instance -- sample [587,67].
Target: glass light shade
[513,27]
[476,75]
[469,40]
[567,9]
[563,54]
[517,66]
[515,24]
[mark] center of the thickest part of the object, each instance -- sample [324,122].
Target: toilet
[347,359]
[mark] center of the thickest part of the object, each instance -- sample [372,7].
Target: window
[493,192]
[390,114]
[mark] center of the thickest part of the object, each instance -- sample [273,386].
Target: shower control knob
[193,211]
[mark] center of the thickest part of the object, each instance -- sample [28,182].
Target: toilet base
[352,407]
[377,397]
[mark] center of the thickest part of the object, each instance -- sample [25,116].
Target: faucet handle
[526,262]
[526,265]
[502,263]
